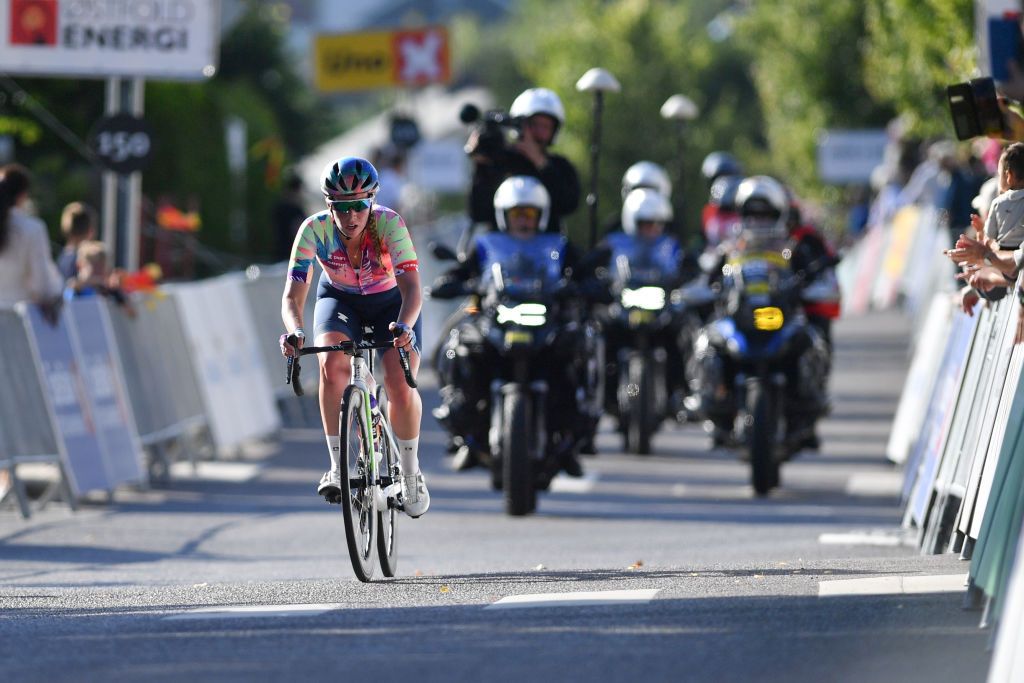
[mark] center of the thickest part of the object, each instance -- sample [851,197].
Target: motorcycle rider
[522,208]
[540,115]
[766,220]
[645,214]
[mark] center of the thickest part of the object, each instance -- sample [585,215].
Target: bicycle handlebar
[350,348]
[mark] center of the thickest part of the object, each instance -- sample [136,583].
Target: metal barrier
[157,369]
[229,368]
[27,432]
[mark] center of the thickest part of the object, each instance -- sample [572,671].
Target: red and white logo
[421,57]
[33,22]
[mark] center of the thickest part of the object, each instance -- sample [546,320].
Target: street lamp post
[597,81]
[680,108]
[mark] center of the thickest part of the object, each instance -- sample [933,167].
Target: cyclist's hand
[405,337]
[290,343]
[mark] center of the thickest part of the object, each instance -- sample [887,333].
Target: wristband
[300,333]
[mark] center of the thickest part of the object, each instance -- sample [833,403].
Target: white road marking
[253,611]
[581,599]
[877,537]
[894,585]
[566,484]
[875,484]
[216,471]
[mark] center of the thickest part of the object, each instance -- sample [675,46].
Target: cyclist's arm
[292,303]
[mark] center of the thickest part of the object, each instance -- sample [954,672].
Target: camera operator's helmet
[349,177]
[644,204]
[539,101]
[763,206]
[518,191]
[718,164]
[646,174]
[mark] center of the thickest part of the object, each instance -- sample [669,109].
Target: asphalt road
[656,568]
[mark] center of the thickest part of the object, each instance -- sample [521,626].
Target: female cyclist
[370,283]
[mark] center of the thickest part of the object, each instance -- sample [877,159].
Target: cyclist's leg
[405,408]
[335,321]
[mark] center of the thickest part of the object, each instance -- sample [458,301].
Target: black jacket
[559,177]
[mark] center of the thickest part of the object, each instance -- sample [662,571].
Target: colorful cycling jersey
[319,238]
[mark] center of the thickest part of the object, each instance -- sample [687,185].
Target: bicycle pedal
[333,498]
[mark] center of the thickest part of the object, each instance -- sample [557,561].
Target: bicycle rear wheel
[358,479]
[387,530]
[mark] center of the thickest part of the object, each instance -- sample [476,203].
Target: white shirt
[1005,222]
[27,270]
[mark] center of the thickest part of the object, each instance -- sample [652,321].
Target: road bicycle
[372,499]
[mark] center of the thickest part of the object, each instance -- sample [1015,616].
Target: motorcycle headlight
[647,298]
[527,315]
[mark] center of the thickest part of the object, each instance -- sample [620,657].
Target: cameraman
[539,114]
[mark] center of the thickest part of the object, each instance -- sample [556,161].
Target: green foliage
[914,49]
[807,62]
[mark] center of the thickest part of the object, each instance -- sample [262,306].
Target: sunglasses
[355,205]
[530,212]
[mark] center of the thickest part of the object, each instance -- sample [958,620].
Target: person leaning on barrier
[540,116]
[77,224]
[96,278]
[996,238]
[27,270]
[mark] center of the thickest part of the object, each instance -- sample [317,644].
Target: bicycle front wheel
[358,483]
[387,530]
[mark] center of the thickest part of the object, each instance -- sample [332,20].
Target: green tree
[914,49]
[808,66]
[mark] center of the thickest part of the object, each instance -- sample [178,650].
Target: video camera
[975,108]
[497,130]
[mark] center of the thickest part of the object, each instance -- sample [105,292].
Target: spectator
[77,224]
[287,215]
[95,277]
[27,270]
[540,115]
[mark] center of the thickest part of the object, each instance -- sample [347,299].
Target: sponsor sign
[362,61]
[171,39]
[849,156]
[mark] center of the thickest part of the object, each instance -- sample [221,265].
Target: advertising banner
[158,39]
[105,391]
[362,61]
[85,465]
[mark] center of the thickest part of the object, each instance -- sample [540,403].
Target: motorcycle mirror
[442,252]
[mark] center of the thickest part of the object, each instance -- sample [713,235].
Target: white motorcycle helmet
[539,101]
[763,205]
[521,190]
[644,204]
[646,174]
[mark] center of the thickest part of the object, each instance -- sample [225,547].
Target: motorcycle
[763,367]
[645,323]
[518,334]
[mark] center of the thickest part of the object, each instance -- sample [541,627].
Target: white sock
[408,452]
[334,448]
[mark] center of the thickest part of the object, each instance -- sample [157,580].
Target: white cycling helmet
[539,101]
[646,174]
[521,190]
[644,204]
[763,205]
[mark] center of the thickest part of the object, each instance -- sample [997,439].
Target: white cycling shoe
[330,486]
[415,497]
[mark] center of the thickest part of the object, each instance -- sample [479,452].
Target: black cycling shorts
[359,315]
